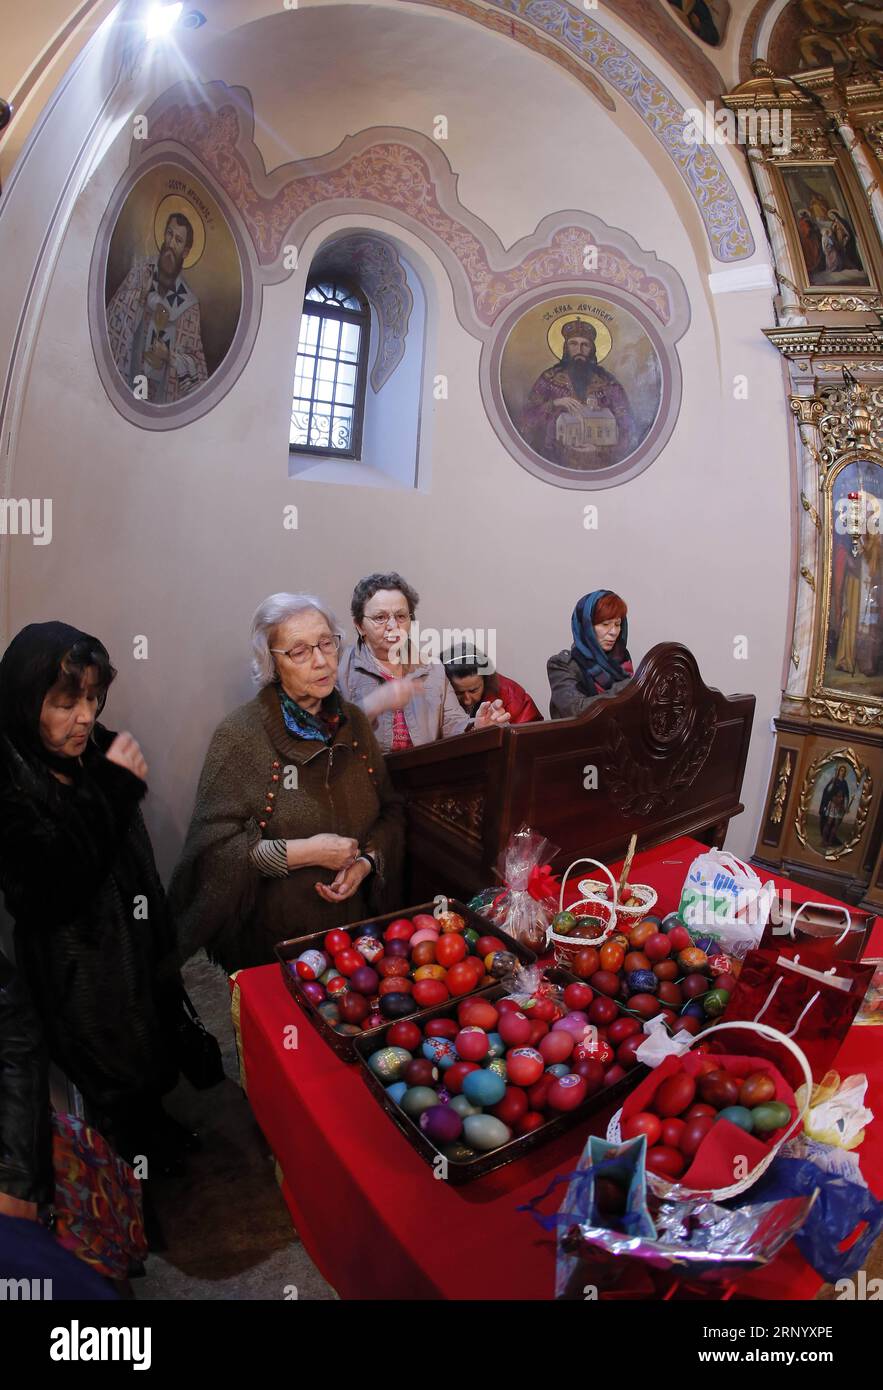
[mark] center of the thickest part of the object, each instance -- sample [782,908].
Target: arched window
[328,401]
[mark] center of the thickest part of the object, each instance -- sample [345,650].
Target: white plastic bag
[723,898]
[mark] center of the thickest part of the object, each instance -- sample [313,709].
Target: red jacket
[516,700]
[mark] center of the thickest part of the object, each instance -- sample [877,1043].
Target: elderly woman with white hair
[296,827]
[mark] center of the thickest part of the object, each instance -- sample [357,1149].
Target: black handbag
[198,1052]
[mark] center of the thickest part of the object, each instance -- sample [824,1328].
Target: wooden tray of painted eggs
[352,981]
[656,967]
[481,1082]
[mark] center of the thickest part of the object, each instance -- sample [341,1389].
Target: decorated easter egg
[458,1152]
[337,985]
[715,1001]
[441,1051]
[484,1132]
[312,964]
[502,963]
[642,982]
[525,1065]
[498,1066]
[567,1092]
[450,922]
[389,1063]
[484,1088]
[417,1099]
[441,1124]
[369,948]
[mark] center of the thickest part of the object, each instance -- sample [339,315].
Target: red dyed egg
[675,1095]
[478,1012]
[622,1028]
[514,1028]
[538,1093]
[349,961]
[424,921]
[353,1008]
[404,1034]
[472,1043]
[657,947]
[673,1133]
[529,1122]
[402,929]
[420,1071]
[605,982]
[666,970]
[556,1047]
[538,1030]
[614,1074]
[586,962]
[578,996]
[647,1005]
[642,1123]
[603,1010]
[695,1131]
[665,1162]
[590,1069]
[427,993]
[394,984]
[336,941]
[625,1053]
[513,1105]
[441,1028]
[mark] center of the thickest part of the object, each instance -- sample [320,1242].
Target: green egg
[773,1115]
[418,1099]
[470,935]
[463,1107]
[485,1132]
[715,1001]
[563,923]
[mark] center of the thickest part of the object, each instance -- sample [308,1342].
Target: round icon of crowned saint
[173,289]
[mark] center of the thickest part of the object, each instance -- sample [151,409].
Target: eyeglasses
[300,654]
[384,619]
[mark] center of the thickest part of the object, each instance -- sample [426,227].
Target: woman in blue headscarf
[598,663]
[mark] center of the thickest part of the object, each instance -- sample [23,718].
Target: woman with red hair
[598,663]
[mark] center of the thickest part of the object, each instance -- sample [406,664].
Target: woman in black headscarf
[93,939]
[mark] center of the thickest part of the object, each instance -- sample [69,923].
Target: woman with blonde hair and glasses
[296,827]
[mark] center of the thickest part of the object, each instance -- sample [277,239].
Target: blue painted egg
[483,1088]
[642,982]
[496,1046]
[397,1090]
[463,1106]
[559,1069]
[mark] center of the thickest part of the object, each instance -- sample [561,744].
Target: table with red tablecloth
[369,1210]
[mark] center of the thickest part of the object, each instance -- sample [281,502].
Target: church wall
[178,535]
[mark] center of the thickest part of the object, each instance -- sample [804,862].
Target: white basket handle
[596,863]
[839,907]
[774,1035]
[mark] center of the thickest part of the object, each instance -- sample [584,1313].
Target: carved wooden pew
[663,757]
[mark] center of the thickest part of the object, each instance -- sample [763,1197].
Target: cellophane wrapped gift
[649,1244]
[528,902]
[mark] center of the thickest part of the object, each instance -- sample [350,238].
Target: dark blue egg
[670,920]
[641,982]
[693,1010]
[369,929]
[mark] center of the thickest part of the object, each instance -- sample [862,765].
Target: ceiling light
[161,19]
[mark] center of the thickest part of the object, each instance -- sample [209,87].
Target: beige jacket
[434,712]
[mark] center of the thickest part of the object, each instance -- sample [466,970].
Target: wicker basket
[627,917]
[679,1192]
[600,910]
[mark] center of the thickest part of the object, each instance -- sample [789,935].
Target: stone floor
[227,1230]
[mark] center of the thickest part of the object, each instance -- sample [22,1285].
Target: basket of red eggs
[714,1120]
[354,980]
[481,1082]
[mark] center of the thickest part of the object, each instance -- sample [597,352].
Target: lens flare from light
[161,19]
